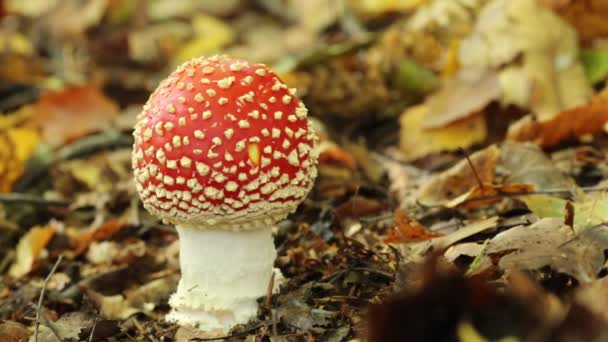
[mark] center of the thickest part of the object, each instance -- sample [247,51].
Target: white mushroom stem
[223,275]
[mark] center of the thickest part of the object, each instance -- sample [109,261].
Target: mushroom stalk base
[223,275]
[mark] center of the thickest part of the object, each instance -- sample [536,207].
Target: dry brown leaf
[460,178]
[481,196]
[29,248]
[408,230]
[104,231]
[568,124]
[13,332]
[415,141]
[332,154]
[587,16]
[72,113]
[464,95]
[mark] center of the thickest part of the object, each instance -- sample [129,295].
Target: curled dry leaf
[548,76]
[29,248]
[17,144]
[460,178]
[462,96]
[567,124]
[481,196]
[415,141]
[408,230]
[587,16]
[85,108]
[549,242]
[525,163]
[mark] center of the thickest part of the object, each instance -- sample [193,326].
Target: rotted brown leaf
[408,230]
[568,124]
[460,178]
[29,248]
[71,113]
[481,196]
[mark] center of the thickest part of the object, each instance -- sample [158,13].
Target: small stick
[17,198]
[269,292]
[41,298]
[466,155]
[93,330]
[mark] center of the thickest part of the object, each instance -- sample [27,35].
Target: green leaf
[595,62]
[413,77]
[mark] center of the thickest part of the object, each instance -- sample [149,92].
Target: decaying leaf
[549,72]
[587,16]
[549,242]
[596,64]
[487,194]
[525,163]
[408,230]
[416,141]
[17,144]
[85,108]
[141,299]
[13,332]
[29,248]
[567,124]
[460,178]
[589,210]
[464,95]
[210,35]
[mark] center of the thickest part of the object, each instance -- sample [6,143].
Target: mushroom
[223,150]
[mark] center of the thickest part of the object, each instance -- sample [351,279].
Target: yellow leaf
[210,35]
[16,146]
[416,142]
[29,248]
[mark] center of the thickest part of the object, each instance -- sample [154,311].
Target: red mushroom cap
[223,143]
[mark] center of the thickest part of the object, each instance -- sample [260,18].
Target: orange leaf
[408,230]
[571,123]
[29,248]
[104,231]
[74,112]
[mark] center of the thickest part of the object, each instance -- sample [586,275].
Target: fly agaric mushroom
[223,150]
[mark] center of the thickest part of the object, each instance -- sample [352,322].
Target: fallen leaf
[332,154]
[85,108]
[460,97]
[408,230]
[17,144]
[525,163]
[571,123]
[547,77]
[589,209]
[210,35]
[595,62]
[415,141]
[13,332]
[587,16]
[29,248]
[415,251]
[481,196]
[549,242]
[376,8]
[460,178]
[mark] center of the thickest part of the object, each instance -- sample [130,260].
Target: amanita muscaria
[223,150]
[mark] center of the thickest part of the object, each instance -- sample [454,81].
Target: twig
[198,339]
[269,291]
[273,315]
[41,298]
[18,198]
[466,155]
[93,330]
[538,192]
